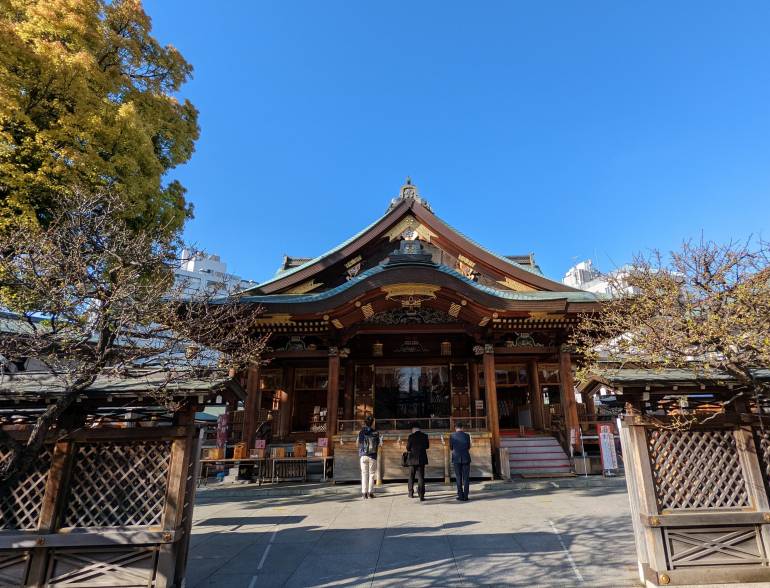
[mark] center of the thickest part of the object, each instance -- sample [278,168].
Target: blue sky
[571,129]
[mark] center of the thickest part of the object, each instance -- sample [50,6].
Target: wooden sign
[607,447]
[479,405]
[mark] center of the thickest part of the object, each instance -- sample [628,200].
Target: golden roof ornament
[408,192]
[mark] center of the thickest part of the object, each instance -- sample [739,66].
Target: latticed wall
[699,502]
[62,523]
[696,469]
[118,484]
[21,509]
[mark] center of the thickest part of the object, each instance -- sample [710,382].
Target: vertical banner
[223,429]
[607,447]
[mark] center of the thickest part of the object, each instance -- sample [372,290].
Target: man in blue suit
[460,444]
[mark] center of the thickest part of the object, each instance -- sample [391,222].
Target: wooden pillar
[252,406]
[490,389]
[536,396]
[474,384]
[588,398]
[332,394]
[349,383]
[568,403]
[286,399]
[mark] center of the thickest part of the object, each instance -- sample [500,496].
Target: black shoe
[465,499]
[371,494]
[411,496]
[459,498]
[366,496]
[422,499]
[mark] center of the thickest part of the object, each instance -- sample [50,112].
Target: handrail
[427,424]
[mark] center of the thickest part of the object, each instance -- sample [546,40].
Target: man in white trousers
[368,442]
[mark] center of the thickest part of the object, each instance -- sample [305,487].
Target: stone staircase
[534,455]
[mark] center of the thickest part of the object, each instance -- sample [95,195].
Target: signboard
[479,405]
[323,442]
[572,441]
[607,447]
[260,444]
[223,429]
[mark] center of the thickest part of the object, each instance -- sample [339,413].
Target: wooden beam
[349,383]
[332,394]
[251,407]
[568,403]
[536,396]
[474,386]
[286,399]
[490,389]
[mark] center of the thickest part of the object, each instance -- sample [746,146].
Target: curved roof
[408,204]
[568,295]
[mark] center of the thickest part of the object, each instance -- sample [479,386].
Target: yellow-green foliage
[87,98]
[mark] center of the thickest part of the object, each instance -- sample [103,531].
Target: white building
[201,273]
[580,274]
[586,277]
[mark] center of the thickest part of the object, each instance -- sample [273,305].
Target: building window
[310,391]
[405,396]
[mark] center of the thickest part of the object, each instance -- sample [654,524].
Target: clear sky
[571,129]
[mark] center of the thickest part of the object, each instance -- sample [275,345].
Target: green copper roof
[572,296]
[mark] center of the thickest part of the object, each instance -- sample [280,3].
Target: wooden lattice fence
[105,507]
[699,501]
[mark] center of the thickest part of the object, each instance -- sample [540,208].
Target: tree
[87,98]
[704,308]
[92,295]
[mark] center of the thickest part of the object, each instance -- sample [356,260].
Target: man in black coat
[417,448]
[460,444]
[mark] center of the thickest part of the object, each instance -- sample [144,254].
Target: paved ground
[536,534]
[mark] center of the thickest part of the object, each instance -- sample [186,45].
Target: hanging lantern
[377,349]
[446,348]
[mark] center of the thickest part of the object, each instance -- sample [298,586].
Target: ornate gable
[409,217]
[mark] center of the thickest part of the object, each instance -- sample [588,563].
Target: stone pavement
[561,533]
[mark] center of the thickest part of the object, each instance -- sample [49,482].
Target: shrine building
[414,323]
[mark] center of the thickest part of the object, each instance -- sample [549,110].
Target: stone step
[534,472]
[527,440]
[530,450]
[538,463]
[536,456]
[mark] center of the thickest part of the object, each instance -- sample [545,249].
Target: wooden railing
[699,500]
[471,424]
[107,507]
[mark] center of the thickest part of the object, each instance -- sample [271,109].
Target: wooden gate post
[53,503]
[173,512]
[638,480]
